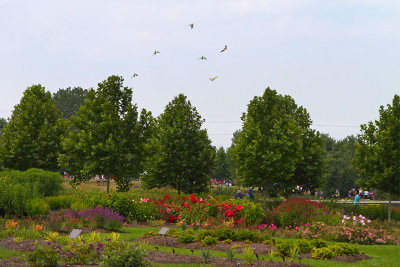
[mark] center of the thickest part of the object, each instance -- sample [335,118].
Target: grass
[8,254]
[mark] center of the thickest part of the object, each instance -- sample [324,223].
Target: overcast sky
[338,59]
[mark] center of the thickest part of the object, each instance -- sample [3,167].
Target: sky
[338,59]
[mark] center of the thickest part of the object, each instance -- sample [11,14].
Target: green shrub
[45,183]
[243,234]
[209,240]
[131,256]
[43,256]
[341,249]
[36,206]
[113,225]
[225,233]
[203,234]
[323,253]
[319,243]
[283,248]
[303,245]
[184,239]
[251,211]
[79,205]
[59,202]
[13,198]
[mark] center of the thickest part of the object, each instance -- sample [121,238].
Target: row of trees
[100,131]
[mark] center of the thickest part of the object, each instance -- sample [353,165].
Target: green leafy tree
[378,151]
[221,164]
[31,139]
[276,148]
[340,172]
[310,169]
[69,100]
[181,152]
[3,123]
[108,136]
[230,157]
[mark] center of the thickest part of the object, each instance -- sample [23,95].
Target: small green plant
[270,255]
[206,255]
[209,240]
[227,241]
[248,254]
[185,239]
[293,252]
[230,253]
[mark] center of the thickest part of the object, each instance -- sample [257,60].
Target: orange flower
[11,224]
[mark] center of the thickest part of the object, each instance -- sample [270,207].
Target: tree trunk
[390,206]
[108,184]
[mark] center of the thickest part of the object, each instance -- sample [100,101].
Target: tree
[230,158]
[69,100]
[276,148]
[221,164]
[107,136]
[31,139]
[3,123]
[378,151]
[181,152]
[340,172]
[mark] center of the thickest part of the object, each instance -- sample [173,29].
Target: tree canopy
[3,123]
[378,151]
[31,139]
[107,136]
[340,172]
[69,100]
[221,170]
[276,148]
[181,152]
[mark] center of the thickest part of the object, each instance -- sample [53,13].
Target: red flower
[166,196]
[177,217]
[240,220]
[108,195]
[171,218]
[192,198]
[239,207]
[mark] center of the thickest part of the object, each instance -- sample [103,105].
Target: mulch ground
[259,248]
[164,257]
[173,242]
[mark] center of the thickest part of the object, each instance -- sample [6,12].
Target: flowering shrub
[295,212]
[355,220]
